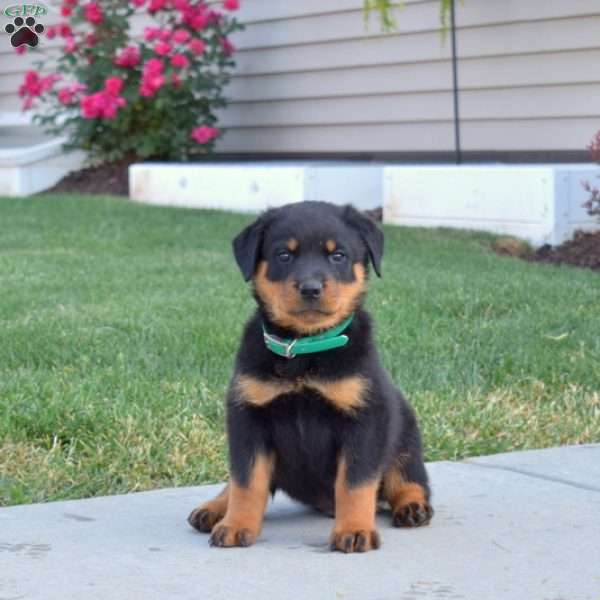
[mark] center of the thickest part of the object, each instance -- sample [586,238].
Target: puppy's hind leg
[409,500]
[405,484]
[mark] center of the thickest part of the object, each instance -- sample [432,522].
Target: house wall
[311,79]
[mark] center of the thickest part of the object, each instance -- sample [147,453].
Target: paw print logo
[24,32]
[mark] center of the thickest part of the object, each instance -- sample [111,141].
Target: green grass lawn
[119,322]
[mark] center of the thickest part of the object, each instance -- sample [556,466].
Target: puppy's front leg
[251,470]
[355,506]
[245,507]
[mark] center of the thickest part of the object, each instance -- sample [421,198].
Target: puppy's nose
[310,289]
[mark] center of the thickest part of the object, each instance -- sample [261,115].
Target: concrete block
[539,203]
[254,187]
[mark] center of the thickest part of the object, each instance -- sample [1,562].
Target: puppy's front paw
[413,514]
[203,518]
[227,535]
[354,541]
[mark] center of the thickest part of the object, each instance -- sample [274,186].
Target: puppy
[309,409]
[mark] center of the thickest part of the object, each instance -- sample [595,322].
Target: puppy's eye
[337,257]
[284,256]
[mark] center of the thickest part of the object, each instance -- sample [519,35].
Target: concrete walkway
[520,526]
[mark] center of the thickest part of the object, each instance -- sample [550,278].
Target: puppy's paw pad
[355,541]
[414,514]
[203,519]
[227,536]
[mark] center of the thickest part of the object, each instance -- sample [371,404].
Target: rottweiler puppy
[310,410]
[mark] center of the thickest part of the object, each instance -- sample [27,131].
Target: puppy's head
[309,263]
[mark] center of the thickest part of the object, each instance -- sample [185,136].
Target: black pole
[457,149]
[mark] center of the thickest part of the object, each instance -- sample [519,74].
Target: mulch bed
[582,251]
[105,179]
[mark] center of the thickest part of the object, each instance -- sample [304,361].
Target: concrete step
[31,162]
[522,526]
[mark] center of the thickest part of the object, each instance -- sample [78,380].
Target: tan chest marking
[260,392]
[347,394]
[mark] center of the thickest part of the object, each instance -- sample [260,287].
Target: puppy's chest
[346,394]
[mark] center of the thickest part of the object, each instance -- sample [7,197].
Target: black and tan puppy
[309,408]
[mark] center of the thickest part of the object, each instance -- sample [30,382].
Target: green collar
[289,348]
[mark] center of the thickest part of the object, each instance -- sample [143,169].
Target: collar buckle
[283,347]
[289,347]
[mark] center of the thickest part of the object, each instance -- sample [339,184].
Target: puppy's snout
[310,289]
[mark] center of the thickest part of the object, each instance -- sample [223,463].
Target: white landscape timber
[254,187]
[539,203]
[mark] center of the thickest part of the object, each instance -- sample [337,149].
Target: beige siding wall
[311,79]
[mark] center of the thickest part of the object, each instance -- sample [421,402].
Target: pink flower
[162,48]
[103,105]
[226,46]
[181,36]
[93,13]
[152,77]
[204,134]
[128,57]
[51,32]
[66,95]
[164,35]
[70,45]
[47,82]
[231,4]
[151,33]
[113,86]
[65,30]
[34,86]
[91,106]
[65,11]
[156,5]
[180,61]
[91,40]
[214,16]
[197,47]
[151,85]
[29,85]
[138,3]
[196,17]
[21,49]
[153,66]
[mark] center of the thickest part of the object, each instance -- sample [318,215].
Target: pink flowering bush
[593,203]
[149,97]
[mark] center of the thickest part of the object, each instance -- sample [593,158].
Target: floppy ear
[371,235]
[246,246]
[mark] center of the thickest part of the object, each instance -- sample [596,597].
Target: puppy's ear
[246,245]
[371,235]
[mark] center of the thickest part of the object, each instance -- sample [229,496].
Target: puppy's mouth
[312,316]
[312,311]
